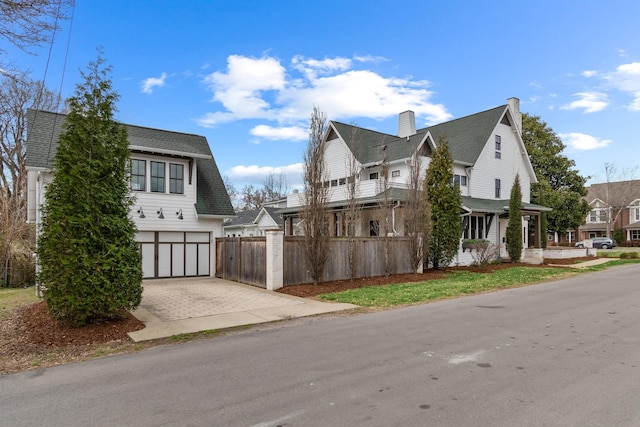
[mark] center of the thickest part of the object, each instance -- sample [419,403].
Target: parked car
[599,243]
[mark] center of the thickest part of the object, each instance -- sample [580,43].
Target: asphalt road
[565,353]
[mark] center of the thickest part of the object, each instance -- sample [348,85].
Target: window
[498,146]
[176,178]
[498,185]
[157,177]
[138,175]
[334,182]
[593,216]
[374,228]
[395,174]
[475,228]
[498,155]
[637,214]
[342,181]
[460,180]
[373,175]
[635,234]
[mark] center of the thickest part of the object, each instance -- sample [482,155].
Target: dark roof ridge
[37,111]
[462,118]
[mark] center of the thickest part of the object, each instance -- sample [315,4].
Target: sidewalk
[179,306]
[591,263]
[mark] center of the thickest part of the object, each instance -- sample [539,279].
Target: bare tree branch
[28,23]
[316,197]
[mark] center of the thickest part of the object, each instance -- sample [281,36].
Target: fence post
[275,259]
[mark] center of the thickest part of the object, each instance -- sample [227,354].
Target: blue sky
[246,74]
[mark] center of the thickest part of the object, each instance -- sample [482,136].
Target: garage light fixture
[160,214]
[179,213]
[141,212]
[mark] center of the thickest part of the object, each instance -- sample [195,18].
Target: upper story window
[498,147]
[342,181]
[498,187]
[460,180]
[598,215]
[157,177]
[395,174]
[373,175]
[176,178]
[138,175]
[636,215]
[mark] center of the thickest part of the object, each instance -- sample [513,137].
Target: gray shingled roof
[466,136]
[44,129]
[617,194]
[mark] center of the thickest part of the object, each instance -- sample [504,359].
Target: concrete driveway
[177,306]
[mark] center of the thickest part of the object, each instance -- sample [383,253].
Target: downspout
[393,217]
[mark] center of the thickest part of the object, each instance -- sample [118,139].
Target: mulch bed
[44,329]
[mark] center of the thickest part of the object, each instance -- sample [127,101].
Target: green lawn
[11,298]
[455,284]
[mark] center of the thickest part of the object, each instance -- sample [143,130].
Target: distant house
[181,201]
[614,205]
[253,223]
[488,152]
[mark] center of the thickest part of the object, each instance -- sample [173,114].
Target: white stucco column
[275,259]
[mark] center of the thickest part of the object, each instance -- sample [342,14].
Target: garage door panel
[148,260]
[191,268]
[175,254]
[164,260]
[177,262]
[203,259]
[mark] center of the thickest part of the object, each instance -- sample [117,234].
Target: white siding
[488,168]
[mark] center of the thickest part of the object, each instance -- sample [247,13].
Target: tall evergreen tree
[514,228]
[89,259]
[443,198]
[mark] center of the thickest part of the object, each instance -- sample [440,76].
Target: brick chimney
[406,124]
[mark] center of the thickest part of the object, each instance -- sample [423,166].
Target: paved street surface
[558,354]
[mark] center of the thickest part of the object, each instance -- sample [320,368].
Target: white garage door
[174,253]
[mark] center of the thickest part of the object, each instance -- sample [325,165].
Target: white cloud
[255,175]
[152,82]
[261,88]
[626,78]
[581,141]
[589,73]
[589,102]
[275,133]
[311,68]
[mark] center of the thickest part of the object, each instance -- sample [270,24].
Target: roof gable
[467,137]
[44,129]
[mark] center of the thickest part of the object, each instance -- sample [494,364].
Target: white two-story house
[180,198]
[488,152]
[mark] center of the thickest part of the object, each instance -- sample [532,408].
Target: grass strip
[455,284]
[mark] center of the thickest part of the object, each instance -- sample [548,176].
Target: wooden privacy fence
[242,259]
[370,259]
[246,259]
